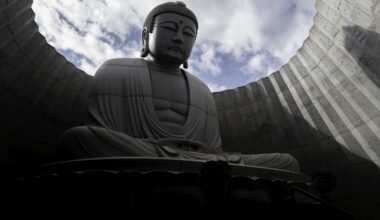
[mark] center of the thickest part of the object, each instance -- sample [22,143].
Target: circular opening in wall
[238,41]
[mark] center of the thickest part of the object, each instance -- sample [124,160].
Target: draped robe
[123,122]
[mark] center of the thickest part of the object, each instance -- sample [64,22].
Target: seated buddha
[150,107]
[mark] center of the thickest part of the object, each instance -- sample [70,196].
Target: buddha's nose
[178,37]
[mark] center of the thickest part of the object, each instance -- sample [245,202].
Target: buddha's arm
[112,84]
[184,143]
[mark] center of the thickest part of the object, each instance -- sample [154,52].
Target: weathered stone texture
[322,107]
[324,102]
[39,101]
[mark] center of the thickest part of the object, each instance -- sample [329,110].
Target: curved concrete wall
[322,107]
[42,94]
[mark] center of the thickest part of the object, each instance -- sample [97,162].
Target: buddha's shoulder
[132,62]
[196,81]
[120,68]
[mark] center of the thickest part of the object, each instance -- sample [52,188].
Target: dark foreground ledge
[163,187]
[149,164]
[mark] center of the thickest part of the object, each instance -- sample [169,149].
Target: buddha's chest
[170,98]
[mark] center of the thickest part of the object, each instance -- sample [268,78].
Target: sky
[238,41]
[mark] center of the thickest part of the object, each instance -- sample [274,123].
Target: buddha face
[172,38]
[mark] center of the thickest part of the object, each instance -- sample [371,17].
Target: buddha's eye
[188,32]
[169,27]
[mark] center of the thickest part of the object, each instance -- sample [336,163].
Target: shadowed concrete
[322,106]
[42,94]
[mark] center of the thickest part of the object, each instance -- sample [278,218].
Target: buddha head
[169,34]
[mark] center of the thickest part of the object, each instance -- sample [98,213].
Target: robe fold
[123,122]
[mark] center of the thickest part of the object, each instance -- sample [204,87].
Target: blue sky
[239,41]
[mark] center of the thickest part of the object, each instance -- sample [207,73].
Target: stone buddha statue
[150,107]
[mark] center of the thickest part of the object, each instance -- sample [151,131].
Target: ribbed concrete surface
[322,107]
[42,94]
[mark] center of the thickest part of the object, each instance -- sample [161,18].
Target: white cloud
[79,26]
[256,62]
[254,33]
[207,61]
[260,65]
[215,87]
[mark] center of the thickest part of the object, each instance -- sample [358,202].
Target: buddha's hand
[184,144]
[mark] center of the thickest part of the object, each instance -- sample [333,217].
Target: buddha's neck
[155,66]
[151,59]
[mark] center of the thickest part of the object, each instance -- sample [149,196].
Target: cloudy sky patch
[239,41]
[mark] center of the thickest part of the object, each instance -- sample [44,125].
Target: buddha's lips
[176,49]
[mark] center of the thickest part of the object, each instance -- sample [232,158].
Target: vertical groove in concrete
[322,107]
[38,100]
[329,92]
[327,53]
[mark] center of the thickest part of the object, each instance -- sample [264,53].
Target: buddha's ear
[145,43]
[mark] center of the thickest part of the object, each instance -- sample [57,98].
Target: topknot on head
[174,7]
